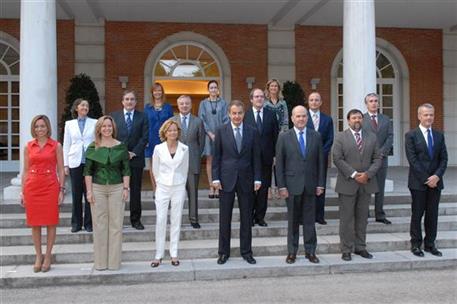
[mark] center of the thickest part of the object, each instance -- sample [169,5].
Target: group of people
[246,147]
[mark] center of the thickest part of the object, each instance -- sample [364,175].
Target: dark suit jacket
[384,134]
[138,138]
[268,134]
[229,165]
[348,159]
[295,172]
[325,130]
[421,166]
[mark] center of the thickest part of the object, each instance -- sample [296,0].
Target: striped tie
[358,141]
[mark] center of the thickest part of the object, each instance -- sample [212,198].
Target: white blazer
[170,171]
[74,142]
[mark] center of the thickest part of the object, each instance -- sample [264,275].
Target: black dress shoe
[250,259]
[364,254]
[75,229]
[195,225]
[312,258]
[290,259]
[88,229]
[261,223]
[346,256]
[384,221]
[417,251]
[322,222]
[138,226]
[222,259]
[433,251]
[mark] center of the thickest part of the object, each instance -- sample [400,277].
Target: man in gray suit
[380,125]
[193,135]
[300,172]
[356,155]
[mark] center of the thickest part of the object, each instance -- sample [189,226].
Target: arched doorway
[392,88]
[9,107]
[183,63]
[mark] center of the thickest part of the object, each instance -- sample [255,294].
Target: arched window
[9,107]
[391,78]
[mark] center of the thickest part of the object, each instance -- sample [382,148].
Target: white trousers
[164,196]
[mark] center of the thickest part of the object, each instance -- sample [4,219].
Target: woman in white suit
[170,164]
[79,133]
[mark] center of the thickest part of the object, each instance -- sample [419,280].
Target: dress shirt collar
[240,126]
[424,129]
[82,119]
[187,116]
[371,114]
[125,113]
[255,111]
[311,113]
[297,131]
[353,132]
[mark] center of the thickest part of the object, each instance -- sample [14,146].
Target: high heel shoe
[45,268]
[175,262]
[155,264]
[37,268]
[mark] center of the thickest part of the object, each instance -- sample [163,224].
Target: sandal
[156,263]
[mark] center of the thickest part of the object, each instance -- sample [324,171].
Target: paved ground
[426,286]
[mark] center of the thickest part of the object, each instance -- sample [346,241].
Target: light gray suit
[194,138]
[300,175]
[353,197]
[385,135]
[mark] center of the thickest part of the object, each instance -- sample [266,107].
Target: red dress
[41,189]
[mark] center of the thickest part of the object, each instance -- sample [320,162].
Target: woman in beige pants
[107,176]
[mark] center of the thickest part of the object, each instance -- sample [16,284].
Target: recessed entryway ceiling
[280,13]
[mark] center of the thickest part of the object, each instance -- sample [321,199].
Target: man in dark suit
[236,169]
[300,176]
[427,156]
[193,135]
[323,124]
[356,155]
[132,130]
[380,125]
[264,120]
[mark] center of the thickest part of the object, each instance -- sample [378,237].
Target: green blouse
[106,165]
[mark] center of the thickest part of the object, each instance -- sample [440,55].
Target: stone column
[38,73]
[359,53]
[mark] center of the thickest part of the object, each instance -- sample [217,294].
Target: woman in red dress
[43,181]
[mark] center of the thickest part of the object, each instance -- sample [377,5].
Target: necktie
[358,141]
[129,122]
[316,121]
[259,122]
[238,139]
[430,143]
[184,125]
[301,140]
[374,124]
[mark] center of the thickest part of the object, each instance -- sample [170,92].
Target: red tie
[358,141]
[374,124]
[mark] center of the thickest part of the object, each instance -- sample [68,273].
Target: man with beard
[356,155]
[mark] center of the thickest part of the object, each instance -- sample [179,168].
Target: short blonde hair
[46,122]
[164,128]
[98,128]
[267,89]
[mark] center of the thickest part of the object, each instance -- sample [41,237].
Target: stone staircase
[73,252]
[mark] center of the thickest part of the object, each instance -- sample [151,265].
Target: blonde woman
[43,179]
[170,165]
[107,175]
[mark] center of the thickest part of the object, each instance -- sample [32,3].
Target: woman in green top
[107,176]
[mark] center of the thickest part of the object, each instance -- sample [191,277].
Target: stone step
[211,215]
[198,249]
[207,269]
[11,206]
[21,236]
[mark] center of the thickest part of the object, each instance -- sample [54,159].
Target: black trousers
[226,200]
[136,180]
[261,196]
[301,207]
[78,190]
[320,200]
[424,202]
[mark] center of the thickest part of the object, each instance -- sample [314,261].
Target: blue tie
[430,143]
[301,140]
[129,122]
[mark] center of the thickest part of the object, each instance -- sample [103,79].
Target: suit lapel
[294,139]
[420,138]
[231,137]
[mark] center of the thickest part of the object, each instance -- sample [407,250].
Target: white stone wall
[90,54]
[281,54]
[450,93]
